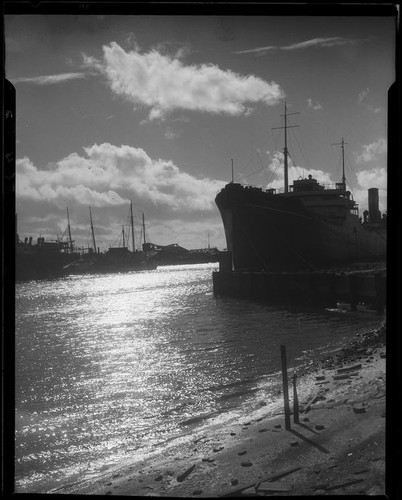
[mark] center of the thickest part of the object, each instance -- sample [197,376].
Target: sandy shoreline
[338,447]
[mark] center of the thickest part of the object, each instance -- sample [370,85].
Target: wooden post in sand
[295,401]
[285,387]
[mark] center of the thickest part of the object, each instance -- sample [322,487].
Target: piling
[285,387]
[314,288]
[295,401]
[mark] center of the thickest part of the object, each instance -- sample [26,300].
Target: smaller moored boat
[115,259]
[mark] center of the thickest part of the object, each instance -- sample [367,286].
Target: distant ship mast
[285,149]
[122,233]
[70,241]
[143,226]
[132,225]
[92,230]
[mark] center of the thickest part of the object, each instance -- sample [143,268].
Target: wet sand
[338,446]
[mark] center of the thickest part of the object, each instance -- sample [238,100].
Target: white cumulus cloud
[374,177]
[163,83]
[60,185]
[110,175]
[372,151]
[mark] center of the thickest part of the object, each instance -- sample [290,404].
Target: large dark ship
[306,227]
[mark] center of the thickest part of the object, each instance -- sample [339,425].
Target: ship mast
[285,149]
[92,230]
[132,225]
[143,226]
[342,144]
[69,232]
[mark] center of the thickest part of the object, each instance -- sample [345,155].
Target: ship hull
[118,262]
[276,232]
[36,266]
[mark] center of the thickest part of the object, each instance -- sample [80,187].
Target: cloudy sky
[152,109]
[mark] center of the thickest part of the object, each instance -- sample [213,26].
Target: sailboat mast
[285,149]
[69,232]
[92,230]
[132,225]
[143,226]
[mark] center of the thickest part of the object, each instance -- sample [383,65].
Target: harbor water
[110,368]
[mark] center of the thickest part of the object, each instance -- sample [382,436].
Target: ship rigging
[306,226]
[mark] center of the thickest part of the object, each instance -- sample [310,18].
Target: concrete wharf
[326,287]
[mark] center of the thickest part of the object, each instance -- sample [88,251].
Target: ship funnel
[374,212]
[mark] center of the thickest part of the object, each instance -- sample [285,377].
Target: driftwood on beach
[255,484]
[183,476]
[349,368]
[310,402]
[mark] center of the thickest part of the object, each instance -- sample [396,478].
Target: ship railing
[337,186]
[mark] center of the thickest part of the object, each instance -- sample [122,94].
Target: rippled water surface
[109,367]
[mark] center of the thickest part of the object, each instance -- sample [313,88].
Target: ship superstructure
[308,226]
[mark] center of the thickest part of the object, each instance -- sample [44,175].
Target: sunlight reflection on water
[109,366]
